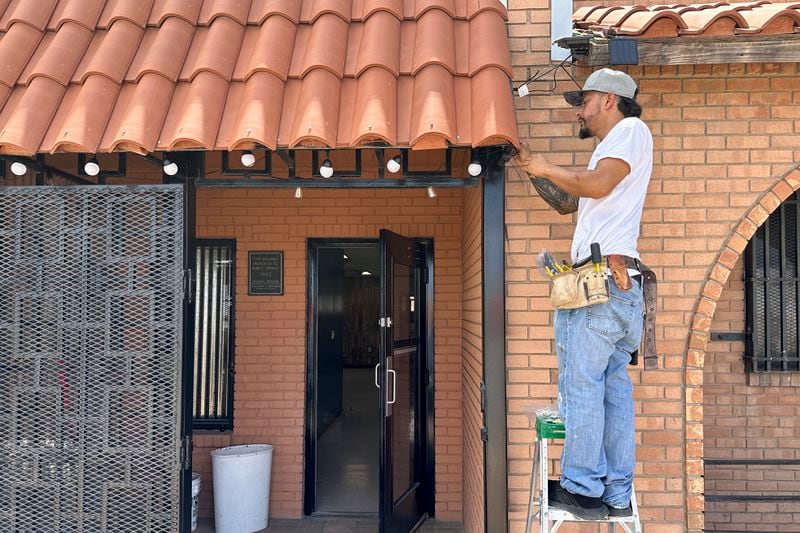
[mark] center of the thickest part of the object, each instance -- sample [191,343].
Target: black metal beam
[41,169]
[494,341]
[334,183]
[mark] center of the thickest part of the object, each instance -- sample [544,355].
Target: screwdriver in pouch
[597,259]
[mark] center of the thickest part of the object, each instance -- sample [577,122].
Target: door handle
[376,375]
[394,386]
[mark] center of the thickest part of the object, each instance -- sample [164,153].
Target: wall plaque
[265,273]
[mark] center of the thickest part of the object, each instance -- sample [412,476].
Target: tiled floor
[335,525]
[347,456]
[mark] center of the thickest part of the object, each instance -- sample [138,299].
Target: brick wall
[724,135]
[756,418]
[472,370]
[270,331]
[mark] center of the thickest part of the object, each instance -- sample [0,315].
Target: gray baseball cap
[604,80]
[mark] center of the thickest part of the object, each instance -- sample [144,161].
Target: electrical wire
[551,83]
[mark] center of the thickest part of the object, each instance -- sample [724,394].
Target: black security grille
[91,320]
[213,352]
[771,284]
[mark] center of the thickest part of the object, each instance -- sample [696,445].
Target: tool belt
[618,265]
[579,287]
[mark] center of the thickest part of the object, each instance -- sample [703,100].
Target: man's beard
[584,133]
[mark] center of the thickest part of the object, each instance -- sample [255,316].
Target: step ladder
[550,426]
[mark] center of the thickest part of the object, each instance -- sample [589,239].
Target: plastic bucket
[195,497]
[241,487]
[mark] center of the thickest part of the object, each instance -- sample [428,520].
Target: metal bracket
[483,397]
[186,453]
[188,287]
[729,336]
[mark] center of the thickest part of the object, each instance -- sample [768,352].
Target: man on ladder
[595,342]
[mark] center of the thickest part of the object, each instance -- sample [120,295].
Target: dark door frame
[310,440]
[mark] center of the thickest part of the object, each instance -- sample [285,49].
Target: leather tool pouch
[619,271]
[579,287]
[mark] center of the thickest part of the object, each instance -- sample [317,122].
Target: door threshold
[342,514]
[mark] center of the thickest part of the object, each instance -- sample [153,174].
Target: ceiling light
[431,192]
[18,168]
[366,273]
[393,165]
[344,256]
[92,167]
[248,159]
[298,193]
[170,167]
[474,168]
[326,169]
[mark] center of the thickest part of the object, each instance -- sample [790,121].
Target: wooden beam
[704,50]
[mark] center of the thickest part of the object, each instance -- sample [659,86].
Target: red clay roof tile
[317,8]
[214,49]
[162,50]
[713,22]
[16,48]
[27,115]
[267,48]
[255,115]
[488,27]
[138,115]
[85,13]
[261,9]
[375,117]
[110,53]
[686,20]
[188,10]
[135,11]
[380,26]
[770,20]
[194,113]
[433,120]
[316,117]
[144,75]
[434,42]
[82,116]
[235,9]
[368,7]
[58,57]
[35,13]
[446,6]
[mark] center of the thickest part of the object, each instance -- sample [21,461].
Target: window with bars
[771,292]
[215,290]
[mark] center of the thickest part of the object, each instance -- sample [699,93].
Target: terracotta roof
[704,20]
[145,75]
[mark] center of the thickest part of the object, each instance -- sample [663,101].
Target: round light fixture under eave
[248,159]
[170,167]
[18,168]
[326,169]
[393,165]
[366,273]
[92,167]
[474,169]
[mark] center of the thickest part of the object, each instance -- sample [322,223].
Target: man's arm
[595,183]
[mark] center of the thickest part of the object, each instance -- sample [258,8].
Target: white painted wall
[560,26]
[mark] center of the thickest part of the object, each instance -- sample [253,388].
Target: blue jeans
[595,395]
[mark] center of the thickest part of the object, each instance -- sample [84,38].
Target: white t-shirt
[613,220]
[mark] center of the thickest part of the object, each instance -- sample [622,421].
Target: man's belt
[648,345]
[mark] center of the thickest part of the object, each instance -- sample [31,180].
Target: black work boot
[581,506]
[620,513]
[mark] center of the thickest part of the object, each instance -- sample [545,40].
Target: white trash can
[195,497]
[241,487]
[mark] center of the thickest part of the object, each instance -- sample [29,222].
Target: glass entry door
[400,374]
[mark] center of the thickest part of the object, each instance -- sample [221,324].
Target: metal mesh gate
[90,358]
